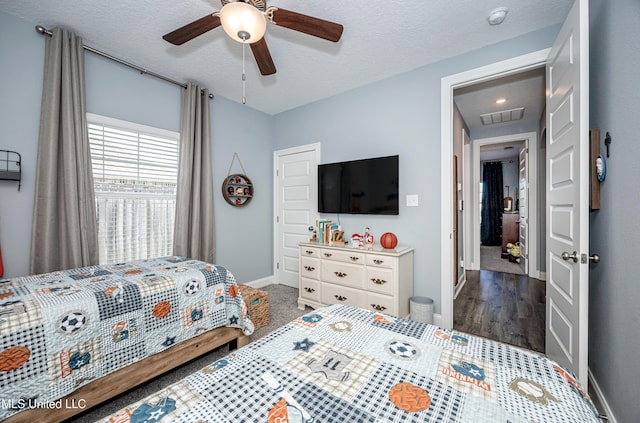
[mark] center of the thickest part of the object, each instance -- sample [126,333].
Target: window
[135,174]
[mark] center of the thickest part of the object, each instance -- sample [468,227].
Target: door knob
[594,258]
[573,256]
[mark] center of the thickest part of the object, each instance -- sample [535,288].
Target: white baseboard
[596,393]
[261,283]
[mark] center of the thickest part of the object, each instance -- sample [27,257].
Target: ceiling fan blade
[307,24]
[263,57]
[193,29]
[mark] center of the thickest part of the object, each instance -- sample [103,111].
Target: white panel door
[296,205]
[568,194]
[523,207]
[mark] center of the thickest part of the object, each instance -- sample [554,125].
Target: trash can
[421,309]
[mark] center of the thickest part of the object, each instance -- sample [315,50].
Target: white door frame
[448,84]
[531,142]
[315,147]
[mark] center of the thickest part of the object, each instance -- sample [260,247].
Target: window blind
[135,171]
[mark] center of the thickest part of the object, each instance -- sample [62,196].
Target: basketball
[13,358]
[233,291]
[161,309]
[409,397]
[388,240]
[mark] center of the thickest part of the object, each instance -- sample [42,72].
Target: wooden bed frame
[120,381]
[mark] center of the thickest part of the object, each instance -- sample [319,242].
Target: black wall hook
[607,142]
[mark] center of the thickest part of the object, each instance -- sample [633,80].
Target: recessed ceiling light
[496,17]
[501,100]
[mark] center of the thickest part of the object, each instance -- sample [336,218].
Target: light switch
[412,200]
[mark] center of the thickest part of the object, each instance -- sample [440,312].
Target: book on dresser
[375,279]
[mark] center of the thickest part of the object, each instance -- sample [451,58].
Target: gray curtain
[64,233]
[194,234]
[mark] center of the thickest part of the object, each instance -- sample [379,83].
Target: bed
[86,334]
[345,364]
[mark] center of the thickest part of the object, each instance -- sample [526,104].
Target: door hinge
[277,172]
[277,219]
[278,265]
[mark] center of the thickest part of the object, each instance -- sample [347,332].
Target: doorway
[505,254]
[499,300]
[487,73]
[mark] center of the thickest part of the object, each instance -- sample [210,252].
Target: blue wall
[20,94]
[243,233]
[614,308]
[399,115]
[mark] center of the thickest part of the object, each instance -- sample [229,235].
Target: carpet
[490,259]
[283,308]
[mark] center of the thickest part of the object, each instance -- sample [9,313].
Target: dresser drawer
[343,274]
[310,289]
[379,280]
[378,260]
[354,257]
[382,303]
[310,268]
[309,252]
[333,294]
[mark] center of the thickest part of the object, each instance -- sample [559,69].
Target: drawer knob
[340,298]
[309,252]
[378,281]
[378,261]
[310,268]
[328,254]
[378,307]
[340,274]
[354,258]
[309,289]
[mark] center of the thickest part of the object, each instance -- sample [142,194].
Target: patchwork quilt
[345,364]
[62,330]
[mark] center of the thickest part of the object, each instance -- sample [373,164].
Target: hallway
[502,306]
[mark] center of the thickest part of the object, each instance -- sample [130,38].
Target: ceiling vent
[503,116]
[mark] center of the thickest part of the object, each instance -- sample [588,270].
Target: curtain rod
[42,30]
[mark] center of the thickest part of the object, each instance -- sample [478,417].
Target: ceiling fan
[246,20]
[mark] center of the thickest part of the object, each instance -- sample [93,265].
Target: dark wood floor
[502,306]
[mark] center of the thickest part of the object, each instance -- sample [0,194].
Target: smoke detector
[496,17]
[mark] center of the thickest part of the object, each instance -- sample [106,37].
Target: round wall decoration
[237,188]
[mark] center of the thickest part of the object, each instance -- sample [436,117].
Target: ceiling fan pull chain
[244,76]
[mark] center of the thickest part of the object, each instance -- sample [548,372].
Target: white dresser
[376,279]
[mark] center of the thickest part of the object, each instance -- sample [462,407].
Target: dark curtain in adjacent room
[492,204]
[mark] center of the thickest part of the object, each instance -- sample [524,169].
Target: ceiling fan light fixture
[243,22]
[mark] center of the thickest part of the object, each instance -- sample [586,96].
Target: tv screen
[368,186]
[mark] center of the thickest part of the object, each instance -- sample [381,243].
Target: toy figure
[368,238]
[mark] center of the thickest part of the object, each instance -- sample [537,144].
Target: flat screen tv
[368,186]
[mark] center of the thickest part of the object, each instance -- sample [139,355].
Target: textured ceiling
[381,38]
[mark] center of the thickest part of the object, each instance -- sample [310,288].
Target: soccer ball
[402,349]
[191,287]
[73,322]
